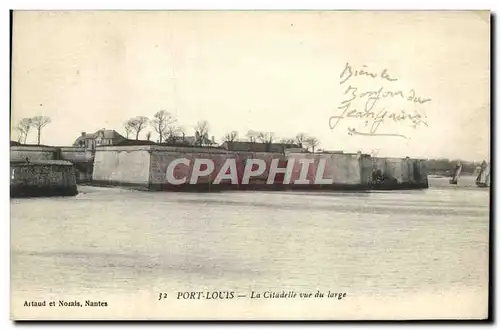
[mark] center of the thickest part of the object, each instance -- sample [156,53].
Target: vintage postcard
[250,165]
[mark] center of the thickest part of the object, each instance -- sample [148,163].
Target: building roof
[105,133]
[109,134]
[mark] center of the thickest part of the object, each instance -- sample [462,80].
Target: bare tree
[202,130]
[148,135]
[173,133]
[266,137]
[202,139]
[137,124]
[161,121]
[23,128]
[300,139]
[311,142]
[38,123]
[252,136]
[128,129]
[230,137]
[202,127]
[287,141]
[181,132]
[20,134]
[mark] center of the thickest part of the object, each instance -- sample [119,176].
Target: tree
[128,129]
[300,138]
[202,130]
[137,124]
[311,142]
[287,141]
[38,123]
[266,137]
[252,136]
[173,133]
[148,135]
[23,128]
[202,127]
[20,134]
[230,137]
[162,120]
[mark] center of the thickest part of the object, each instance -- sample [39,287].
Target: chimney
[83,133]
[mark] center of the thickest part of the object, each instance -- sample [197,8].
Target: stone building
[103,137]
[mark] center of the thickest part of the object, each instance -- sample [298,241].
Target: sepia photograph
[250,165]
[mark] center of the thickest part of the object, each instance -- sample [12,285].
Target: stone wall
[146,166]
[342,169]
[420,172]
[268,157]
[21,153]
[122,165]
[366,165]
[390,167]
[402,171]
[81,157]
[161,157]
[42,178]
[76,155]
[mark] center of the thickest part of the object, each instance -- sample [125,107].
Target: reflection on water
[117,240]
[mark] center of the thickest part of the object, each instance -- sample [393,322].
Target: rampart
[145,167]
[42,178]
[82,158]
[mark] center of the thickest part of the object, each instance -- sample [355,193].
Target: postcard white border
[492,5]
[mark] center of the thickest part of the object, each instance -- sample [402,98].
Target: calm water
[110,240]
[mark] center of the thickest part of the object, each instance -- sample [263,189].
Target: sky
[277,72]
